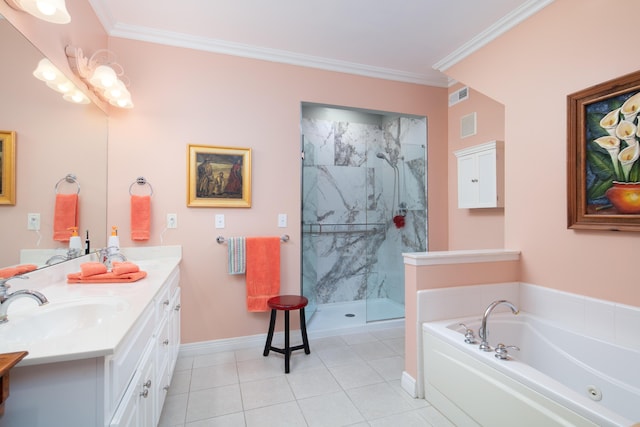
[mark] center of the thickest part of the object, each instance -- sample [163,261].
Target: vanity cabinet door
[136,409]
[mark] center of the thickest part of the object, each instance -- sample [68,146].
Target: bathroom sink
[59,319]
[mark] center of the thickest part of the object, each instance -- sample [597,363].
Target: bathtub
[557,378]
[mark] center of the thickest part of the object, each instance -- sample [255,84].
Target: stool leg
[303,328]
[287,350]
[272,325]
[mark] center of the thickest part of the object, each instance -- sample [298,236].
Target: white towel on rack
[237,255]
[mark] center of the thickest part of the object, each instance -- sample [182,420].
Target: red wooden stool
[287,303]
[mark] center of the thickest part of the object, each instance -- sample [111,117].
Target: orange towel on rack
[65,216]
[140,217]
[262,271]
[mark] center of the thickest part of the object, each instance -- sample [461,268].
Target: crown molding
[266,54]
[503,25]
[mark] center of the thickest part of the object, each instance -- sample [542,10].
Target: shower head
[383,156]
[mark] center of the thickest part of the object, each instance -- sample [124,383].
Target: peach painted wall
[531,69]
[185,96]
[446,276]
[473,228]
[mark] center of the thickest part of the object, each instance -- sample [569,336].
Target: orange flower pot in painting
[625,197]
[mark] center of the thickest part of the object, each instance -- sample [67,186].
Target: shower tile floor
[338,315]
[347,380]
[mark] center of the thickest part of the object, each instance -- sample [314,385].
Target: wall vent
[468,125]
[458,96]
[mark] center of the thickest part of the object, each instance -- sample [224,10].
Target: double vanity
[99,354]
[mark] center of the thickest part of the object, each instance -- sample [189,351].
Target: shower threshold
[382,312]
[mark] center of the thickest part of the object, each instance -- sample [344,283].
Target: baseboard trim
[408,384]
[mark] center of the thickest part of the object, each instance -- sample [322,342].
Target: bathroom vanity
[99,354]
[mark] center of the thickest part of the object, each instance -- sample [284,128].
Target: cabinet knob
[166,302]
[145,393]
[165,388]
[147,384]
[177,308]
[474,180]
[165,342]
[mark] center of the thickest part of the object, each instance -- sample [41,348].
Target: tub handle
[502,351]
[469,336]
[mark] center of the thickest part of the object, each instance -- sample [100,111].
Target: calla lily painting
[603,154]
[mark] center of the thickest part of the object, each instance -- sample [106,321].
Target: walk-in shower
[363,205]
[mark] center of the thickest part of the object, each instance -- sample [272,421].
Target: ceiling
[392,39]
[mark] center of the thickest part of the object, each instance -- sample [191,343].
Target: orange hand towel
[18,269]
[262,271]
[65,216]
[126,267]
[107,278]
[140,217]
[89,269]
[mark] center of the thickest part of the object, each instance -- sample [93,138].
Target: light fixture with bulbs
[48,73]
[102,74]
[54,11]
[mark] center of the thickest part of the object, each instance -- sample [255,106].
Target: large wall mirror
[54,138]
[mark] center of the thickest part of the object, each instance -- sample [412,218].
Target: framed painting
[218,177]
[603,148]
[7,167]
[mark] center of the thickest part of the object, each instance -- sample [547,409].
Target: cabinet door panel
[487,178]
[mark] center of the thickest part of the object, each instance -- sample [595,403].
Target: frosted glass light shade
[54,11]
[103,77]
[76,96]
[46,71]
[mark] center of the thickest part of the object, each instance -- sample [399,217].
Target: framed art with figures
[218,177]
[7,167]
[603,181]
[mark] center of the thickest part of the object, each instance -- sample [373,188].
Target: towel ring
[141,180]
[71,179]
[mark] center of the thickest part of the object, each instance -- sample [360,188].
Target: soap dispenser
[114,241]
[75,244]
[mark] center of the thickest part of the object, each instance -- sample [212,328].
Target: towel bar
[284,238]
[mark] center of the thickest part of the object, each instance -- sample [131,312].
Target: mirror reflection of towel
[262,271]
[65,216]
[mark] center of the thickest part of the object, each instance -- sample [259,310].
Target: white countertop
[82,320]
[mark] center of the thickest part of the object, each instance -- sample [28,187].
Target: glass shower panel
[397,214]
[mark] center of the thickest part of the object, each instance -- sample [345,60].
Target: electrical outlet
[220,221]
[282,220]
[172,220]
[33,221]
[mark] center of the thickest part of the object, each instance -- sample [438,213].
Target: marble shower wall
[351,247]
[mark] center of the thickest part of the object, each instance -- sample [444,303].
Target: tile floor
[347,380]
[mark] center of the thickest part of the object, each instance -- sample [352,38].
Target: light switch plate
[282,220]
[220,221]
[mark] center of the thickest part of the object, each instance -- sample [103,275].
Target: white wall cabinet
[481,176]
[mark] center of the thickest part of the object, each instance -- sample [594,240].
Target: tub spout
[484,344]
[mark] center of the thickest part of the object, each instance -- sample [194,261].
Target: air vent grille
[458,96]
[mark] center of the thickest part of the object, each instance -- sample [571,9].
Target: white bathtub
[552,380]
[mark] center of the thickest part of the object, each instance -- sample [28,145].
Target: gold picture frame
[603,168]
[218,177]
[7,167]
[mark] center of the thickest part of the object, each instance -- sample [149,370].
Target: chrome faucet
[7,299]
[484,344]
[108,254]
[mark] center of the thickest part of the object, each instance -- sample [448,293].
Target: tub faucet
[7,299]
[484,344]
